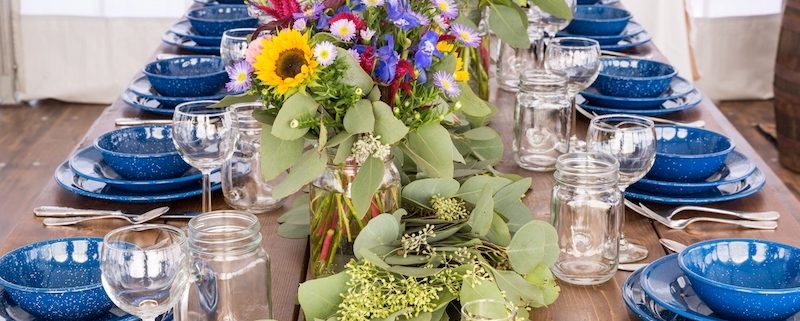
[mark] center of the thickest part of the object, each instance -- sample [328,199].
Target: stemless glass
[488,310]
[145,268]
[205,137]
[632,140]
[233,47]
[541,120]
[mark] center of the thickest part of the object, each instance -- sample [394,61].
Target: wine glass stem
[539,45]
[622,216]
[206,191]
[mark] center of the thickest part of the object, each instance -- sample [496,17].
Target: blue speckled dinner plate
[11,312]
[633,28]
[736,168]
[678,88]
[70,181]
[630,42]
[675,105]
[88,163]
[640,305]
[142,87]
[184,29]
[146,104]
[188,44]
[727,192]
[663,282]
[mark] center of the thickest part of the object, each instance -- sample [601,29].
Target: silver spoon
[147,216]
[672,245]
[697,123]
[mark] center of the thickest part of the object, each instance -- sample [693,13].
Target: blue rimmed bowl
[184,29]
[745,279]
[630,77]
[56,279]
[598,20]
[214,20]
[142,153]
[688,154]
[187,76]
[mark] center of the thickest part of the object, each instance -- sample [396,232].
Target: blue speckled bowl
[56,279]
[142,153]
[687,154]
[587,2]
[214,20]
[598,20]
[633,78]
[187,76]
[745,279]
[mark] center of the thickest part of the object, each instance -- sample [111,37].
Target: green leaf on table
[431,149]
[407,260]
[236,99]
[344,150]
[424,316]
[557,8]
[490,150]
[299,215]
[421,190]
[320,298]
[381,230]
[359,118]
[471,104]
[471,188]
[293,231]
[445,233]
[534,244]
[354,75]
[296,108]
[479,291]
[498,232]
[481,134]
[391,129]
[310,166]
[277,155]
[368,180]
[516,213]
[507,24]
[416,272]
[517,289]
[513,192]
[480,219]
[542,278]
[373,258]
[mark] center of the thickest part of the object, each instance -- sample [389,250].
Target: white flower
[367,34]
[325,53]
[344,29]
[373,3]
[441,22]
[369,145]
[299,24]
[355,55]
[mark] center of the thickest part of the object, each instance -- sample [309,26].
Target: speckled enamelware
[142,153]
[631,30]
[726,192]
[745,279]
[185,43]
[587,2]
[187,76]
[214,20]
[688,154]
[736,168]
[10,311]
[56,279]
[628,42]
[632,78]
[88,163]
[184,29]
[598,20]
[146,104]
[142,87]
[678,88]
[674,105]
[639,304]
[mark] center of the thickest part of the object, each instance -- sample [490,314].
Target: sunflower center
[290,63]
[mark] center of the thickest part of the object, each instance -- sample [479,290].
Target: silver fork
[682,224]
[697,123]
[753,216]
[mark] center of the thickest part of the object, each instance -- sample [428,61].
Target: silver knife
[58,211]
[139,121]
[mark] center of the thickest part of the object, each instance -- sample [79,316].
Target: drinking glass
[488,310]
[579,59]
[541,120]
[632,140]
[233,47]
[145,268]
[205,137]
[549,24]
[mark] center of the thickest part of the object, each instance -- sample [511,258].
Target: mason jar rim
[239,231]
[589,165]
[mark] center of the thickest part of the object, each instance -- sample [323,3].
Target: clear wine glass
[632,140]
[488,310]
[205,137]
[233,47]
[579,59]
[549,24]
[145,268]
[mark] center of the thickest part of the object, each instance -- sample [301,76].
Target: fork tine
[636,208]
[648,213]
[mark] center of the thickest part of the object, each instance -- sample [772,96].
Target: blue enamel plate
[188,44]
[88,163]
[11,312]
[670,106]
[641,305]
[146,104]
[142,87]
[726,192]
[664,282]
[633,29]
[737,167]
[184,29]
[70,181]
[678,88]
[627,43]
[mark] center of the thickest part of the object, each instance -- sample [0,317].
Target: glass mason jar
[542,123]
[584,206]
[334,222]
[243,184]
[232,270]
[511,62]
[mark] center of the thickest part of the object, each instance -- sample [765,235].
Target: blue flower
[426,50]
[386,64]
[399,13]
[422,76]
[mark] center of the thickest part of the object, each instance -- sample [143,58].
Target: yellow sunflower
[286,62]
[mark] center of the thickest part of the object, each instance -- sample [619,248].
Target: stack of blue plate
[640,87]
[696,166]
[611,27]
[202,30]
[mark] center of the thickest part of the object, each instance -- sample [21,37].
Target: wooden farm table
[576,303]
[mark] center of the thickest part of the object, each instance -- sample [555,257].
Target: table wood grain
[576,303]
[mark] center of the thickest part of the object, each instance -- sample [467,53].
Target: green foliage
[389,128]
[298,108]
[368,180]
[360,118]
[421,191]
[534,244]
[431,149]
[277,155]
[310,166]
[509,25]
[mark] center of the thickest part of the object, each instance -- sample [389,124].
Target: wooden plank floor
[27,132]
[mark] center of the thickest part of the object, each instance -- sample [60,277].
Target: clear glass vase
[334,221]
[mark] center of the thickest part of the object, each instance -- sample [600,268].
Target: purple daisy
[465,35]
[239,74]
[447,8]
[445,82]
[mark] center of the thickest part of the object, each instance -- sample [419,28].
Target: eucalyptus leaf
[471,188]
[374,94]
[310,166]
[491,150]
[383,229]
[338,139]
[424,316]
[416,272]
[557,8]
[471,104]
[480,220]
[430,147]
[516,213]
[359,118]
[517,289]
[476,122]
[387,126]
[296,108]
[277,155]
[355,75]
[407,260]
[481,133]
[480,291]
[399,213]
[293,231]
[320,298]
[457,157]
[448,65]
[236,99]
[534,244]
[446,233]
[344,150]
[507,24]
[368,180]
[299,215]
[542,278]
[325,36]
[373,258]
[421,190]
[498,232]
[264,116]
[512,192]
[396,314]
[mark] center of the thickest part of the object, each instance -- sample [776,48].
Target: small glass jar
[243,184]
[334,222]
[585,206]
[232,270]
[542,123]
[512,62]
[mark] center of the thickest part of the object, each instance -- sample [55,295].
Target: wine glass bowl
[578,58]
[233,47]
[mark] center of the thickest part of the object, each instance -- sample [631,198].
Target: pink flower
[253,49]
